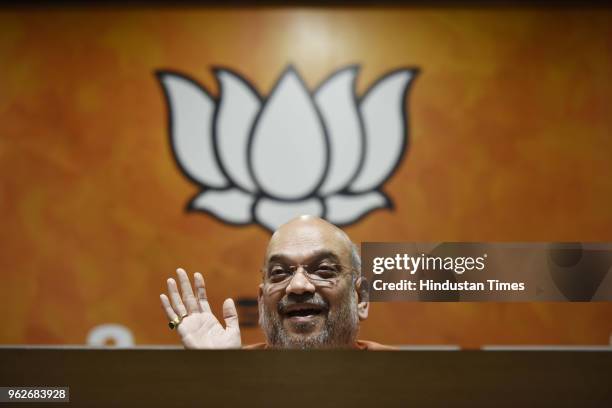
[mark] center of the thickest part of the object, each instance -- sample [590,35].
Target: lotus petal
[232,206]
[289,148]
[346,209]
[383,113]
[237,107]
[272,213]
[191,114]
[337,102]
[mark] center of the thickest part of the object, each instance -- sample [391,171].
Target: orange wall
[510,141]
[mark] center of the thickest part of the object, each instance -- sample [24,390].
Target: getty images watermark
[472,272]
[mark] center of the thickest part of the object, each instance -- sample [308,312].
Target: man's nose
[299,283]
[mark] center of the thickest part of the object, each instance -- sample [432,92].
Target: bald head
[307,233]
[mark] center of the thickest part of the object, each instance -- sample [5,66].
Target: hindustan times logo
[413,264]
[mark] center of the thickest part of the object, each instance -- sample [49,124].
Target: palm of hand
[197,325]
[203,331]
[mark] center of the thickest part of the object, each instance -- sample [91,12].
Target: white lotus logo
[264,161]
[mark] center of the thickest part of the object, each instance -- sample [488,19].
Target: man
[312,295]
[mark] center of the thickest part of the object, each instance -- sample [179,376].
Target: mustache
[314,299]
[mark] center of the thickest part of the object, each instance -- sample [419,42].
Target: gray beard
[340,330]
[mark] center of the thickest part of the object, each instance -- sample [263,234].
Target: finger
[230,315]
[201,289]
[175,298]
[188,297]
[170,314]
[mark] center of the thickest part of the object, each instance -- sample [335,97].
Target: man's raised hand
[199,328]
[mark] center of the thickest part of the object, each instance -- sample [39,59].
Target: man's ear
[260,301]
[363,298]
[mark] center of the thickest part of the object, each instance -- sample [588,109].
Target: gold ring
[175,322]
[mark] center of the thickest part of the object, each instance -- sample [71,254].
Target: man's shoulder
[373,346]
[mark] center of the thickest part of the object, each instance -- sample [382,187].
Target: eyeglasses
[322,275]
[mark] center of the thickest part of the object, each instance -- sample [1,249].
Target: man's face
[301,312]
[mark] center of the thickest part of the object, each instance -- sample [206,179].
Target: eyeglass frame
[315,282]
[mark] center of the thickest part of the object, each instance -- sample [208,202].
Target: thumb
[230,315]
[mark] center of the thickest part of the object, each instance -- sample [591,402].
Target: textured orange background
[510,141]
